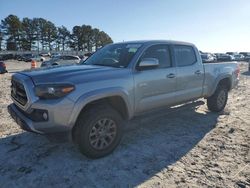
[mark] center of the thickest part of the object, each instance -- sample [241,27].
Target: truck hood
[72,73]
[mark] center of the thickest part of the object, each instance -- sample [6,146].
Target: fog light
[45,116]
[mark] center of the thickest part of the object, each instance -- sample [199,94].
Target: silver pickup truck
[118,82]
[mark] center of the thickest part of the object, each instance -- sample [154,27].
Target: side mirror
[148,63]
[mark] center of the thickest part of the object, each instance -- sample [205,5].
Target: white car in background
[61,60]
[236,55]
[246,55]
[38,58]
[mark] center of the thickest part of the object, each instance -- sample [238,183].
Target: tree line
[42,35]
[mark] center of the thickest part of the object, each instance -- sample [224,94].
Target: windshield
[115,55]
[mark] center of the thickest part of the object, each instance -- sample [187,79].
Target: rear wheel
[98,131]
[218,100]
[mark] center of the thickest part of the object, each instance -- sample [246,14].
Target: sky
[212,25]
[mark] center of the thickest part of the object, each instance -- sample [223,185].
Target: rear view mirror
[148,63]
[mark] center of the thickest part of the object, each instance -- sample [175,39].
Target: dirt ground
[185,146]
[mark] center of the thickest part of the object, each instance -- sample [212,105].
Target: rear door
[190,73]
[155,87]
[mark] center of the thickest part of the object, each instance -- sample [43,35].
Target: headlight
[53,91]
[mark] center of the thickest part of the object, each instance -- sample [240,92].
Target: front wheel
[218,100]
[98,131]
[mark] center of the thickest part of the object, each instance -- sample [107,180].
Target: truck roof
[158,41]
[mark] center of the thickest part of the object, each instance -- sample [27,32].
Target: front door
[155,87]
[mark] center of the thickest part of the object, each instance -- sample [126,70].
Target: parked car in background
[8,56]
[29,57]
[54,55]
[207,58]
[42,58]
[215,58]
[224,57]
[246,55]
[26,57]
[38,58]
[239,57]
[231,53]
[45,54]
[236,55]
[2,68]
[17,57]
[85,56]
[61,60]
[88,54]
[81,56]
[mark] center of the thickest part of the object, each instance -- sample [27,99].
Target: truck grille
[18,92]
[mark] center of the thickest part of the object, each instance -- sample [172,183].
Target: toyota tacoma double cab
[93,99]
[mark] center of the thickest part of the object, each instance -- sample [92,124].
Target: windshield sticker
[132,50]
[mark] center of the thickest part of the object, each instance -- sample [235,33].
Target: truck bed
[215,72]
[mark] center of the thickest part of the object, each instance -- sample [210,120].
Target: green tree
[104,39]
[10,45]
[63,36]
[28,33]
[77,39]
[100,38]
[1,37]
[87,33]
[12,28]
[41,29]
[50,34]
[85,38]
[96,38]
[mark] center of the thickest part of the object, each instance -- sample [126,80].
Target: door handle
[197,72]
[171,75]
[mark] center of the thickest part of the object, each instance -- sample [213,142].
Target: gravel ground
[185,146]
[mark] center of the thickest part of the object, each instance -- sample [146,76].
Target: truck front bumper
[25,123]
[28,124]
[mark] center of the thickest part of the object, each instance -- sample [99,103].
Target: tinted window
[160,52]
[184,55]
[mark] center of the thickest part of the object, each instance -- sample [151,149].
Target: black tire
[86,125]
[218,100]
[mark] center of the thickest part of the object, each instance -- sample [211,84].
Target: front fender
[99,94]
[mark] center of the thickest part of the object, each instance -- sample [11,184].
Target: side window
[184,55]
[160,52]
